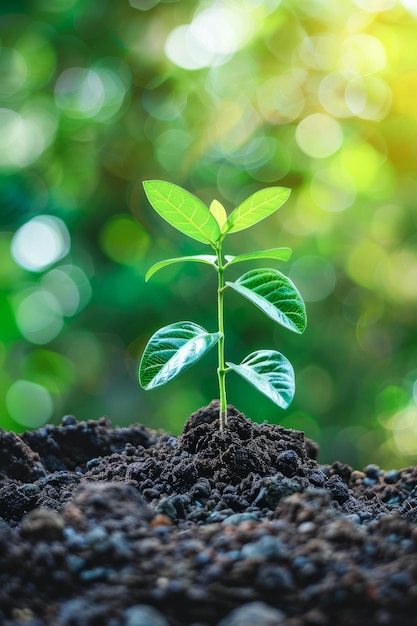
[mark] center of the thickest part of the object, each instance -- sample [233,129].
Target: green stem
[221,370]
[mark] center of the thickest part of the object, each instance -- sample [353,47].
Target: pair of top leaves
[174,348]
[188,214]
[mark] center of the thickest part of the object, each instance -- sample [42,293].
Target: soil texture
[103,526]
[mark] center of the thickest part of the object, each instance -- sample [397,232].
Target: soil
[103,526]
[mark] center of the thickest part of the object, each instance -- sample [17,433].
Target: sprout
[176,347]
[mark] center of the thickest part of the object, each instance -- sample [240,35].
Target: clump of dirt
[135,527]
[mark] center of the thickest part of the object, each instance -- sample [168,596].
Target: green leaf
[276,295]
[182,210]
[271,373]
[201,258]
[281,254]
[219,212]
[256,208]
[171,350]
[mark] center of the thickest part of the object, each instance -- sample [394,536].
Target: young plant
[174,348]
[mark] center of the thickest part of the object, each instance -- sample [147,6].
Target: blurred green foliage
[222,98]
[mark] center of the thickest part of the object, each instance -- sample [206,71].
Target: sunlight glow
[319,135]
[213,36]
[40,242]
[79,92]
[25,135]
[404,430]
[410,6]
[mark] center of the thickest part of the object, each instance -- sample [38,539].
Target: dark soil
[133,527]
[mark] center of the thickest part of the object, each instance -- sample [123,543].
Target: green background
[223,98]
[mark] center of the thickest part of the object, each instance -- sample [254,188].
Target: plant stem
[221,370]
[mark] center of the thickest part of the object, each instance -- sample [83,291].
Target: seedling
[174,348]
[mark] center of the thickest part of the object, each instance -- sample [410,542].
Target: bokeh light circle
[281,99]
[404,430]
[13,71]
[320,51]
[210,40]
[331,92]
[29,404]
[39,317]
[25,135]
[79,92]
[319,135]
[368,97]
[123,240]
[40,242]
[70,286]
[363,54]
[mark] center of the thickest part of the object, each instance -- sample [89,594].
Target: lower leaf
[201,258]
[171,350]
[271,373]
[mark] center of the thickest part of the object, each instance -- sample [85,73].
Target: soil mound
[134,527]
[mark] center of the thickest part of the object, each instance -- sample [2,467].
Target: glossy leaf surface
[276,295]
[171,350]
[269,372]
[182,210]
[281,254]
[255,208]
[210,259]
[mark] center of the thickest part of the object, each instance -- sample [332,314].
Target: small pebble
[372,470]
[254,613]
[166,507]
[391,477]
[238,518]
[92,463]
[306,527]
[42,524]
[69,420]
[143,615]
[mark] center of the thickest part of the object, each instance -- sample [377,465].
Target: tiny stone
[75,563]
[92,463]
[69,420]
[372,470]
[166,507]
[306,527]
[338,489]
[391,477]
[252,613]
[73,539]
[369,482]
[237,518]
[143,615]
[161,520]
[42,523]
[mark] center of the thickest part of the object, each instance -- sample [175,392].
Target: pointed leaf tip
[269,372]
[276,295]
[255,208]
[280,254]
[210,259]
[171,350]
[182,210]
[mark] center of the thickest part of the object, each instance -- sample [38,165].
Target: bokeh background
[223,98]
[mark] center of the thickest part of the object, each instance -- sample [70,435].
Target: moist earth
[103,526]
